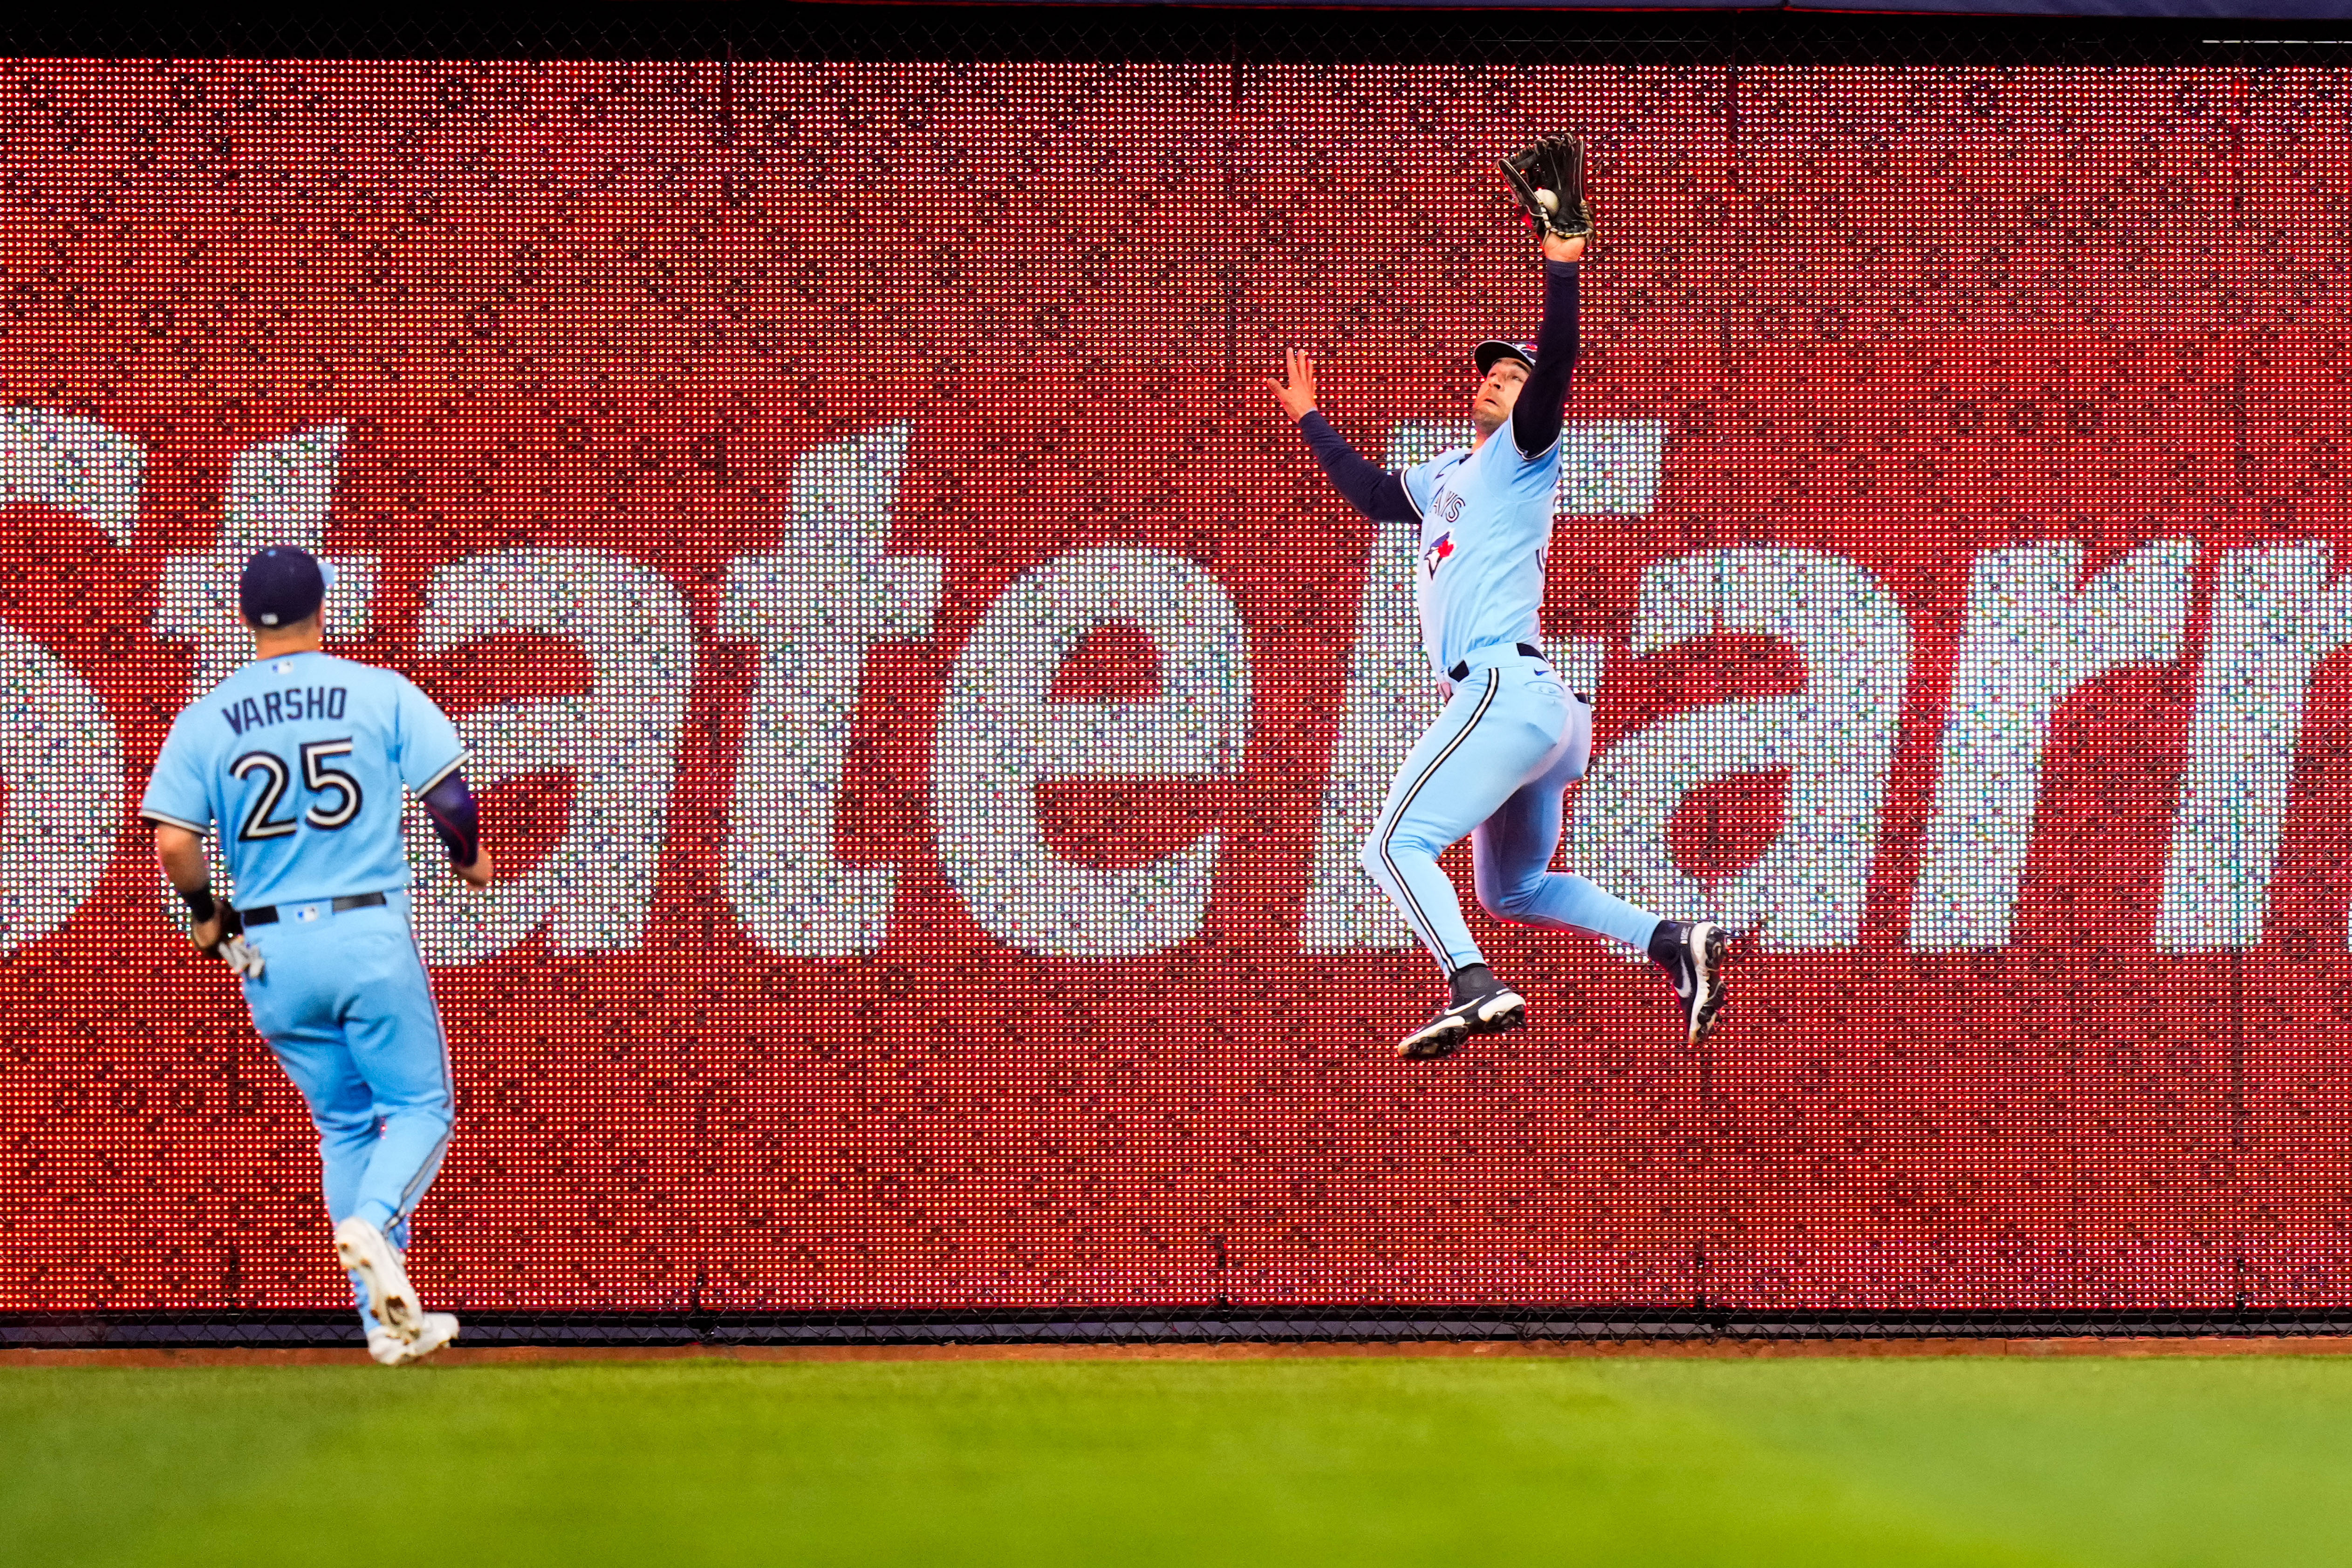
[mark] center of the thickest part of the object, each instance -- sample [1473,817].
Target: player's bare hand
[208,934]
[1295,390]
[1555,249]
[479,874]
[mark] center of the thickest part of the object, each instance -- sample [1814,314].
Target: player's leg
[1511,854]
[394,1033]
[1499,726]
[297,1017]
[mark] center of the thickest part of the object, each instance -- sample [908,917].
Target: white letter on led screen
[1002,736]
[617,742]
[2274,617]
[61,789]
[815,609]
[1836,740]
[2032,637]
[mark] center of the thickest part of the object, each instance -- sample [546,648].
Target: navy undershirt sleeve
[1536,417]
[450,805]
[1379,493]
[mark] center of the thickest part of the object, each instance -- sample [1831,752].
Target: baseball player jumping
[1497,763]
[301,758]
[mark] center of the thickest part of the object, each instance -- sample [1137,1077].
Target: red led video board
[933,700]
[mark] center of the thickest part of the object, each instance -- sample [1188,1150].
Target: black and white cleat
[1485,1006]
[1691,952]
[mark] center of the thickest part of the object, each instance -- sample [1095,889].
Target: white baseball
[1549,201]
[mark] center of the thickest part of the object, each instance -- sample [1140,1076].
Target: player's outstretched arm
[1377,493]
[1542,406]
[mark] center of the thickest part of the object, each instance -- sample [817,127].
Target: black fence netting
[1484,40]
[945,739]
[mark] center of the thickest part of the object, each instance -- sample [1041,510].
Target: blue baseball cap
[1495,349]
[281,585]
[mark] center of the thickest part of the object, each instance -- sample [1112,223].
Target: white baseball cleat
[363,1247]
[437,1329]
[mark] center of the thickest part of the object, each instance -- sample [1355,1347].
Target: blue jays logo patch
[1434,553]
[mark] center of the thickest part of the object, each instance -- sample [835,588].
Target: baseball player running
[301,759]
[1497,763]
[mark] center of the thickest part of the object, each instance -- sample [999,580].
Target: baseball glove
[1549,180]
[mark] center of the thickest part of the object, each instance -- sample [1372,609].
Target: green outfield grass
[1353,1462]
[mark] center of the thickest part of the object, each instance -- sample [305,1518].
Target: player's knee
[1384,849]
[341,1136]
[341,1122]
[1506,903]
[428,1114]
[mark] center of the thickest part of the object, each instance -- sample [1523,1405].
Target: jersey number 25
[319,776]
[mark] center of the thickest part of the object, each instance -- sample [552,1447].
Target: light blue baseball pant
[345,1005]
[1497,765]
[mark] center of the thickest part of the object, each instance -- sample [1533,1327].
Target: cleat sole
[1711,989]
[1433,1044]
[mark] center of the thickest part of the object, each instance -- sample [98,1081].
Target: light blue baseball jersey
[1486,528]
[301,759]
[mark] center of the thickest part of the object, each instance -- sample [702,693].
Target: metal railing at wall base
[1175,1325]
